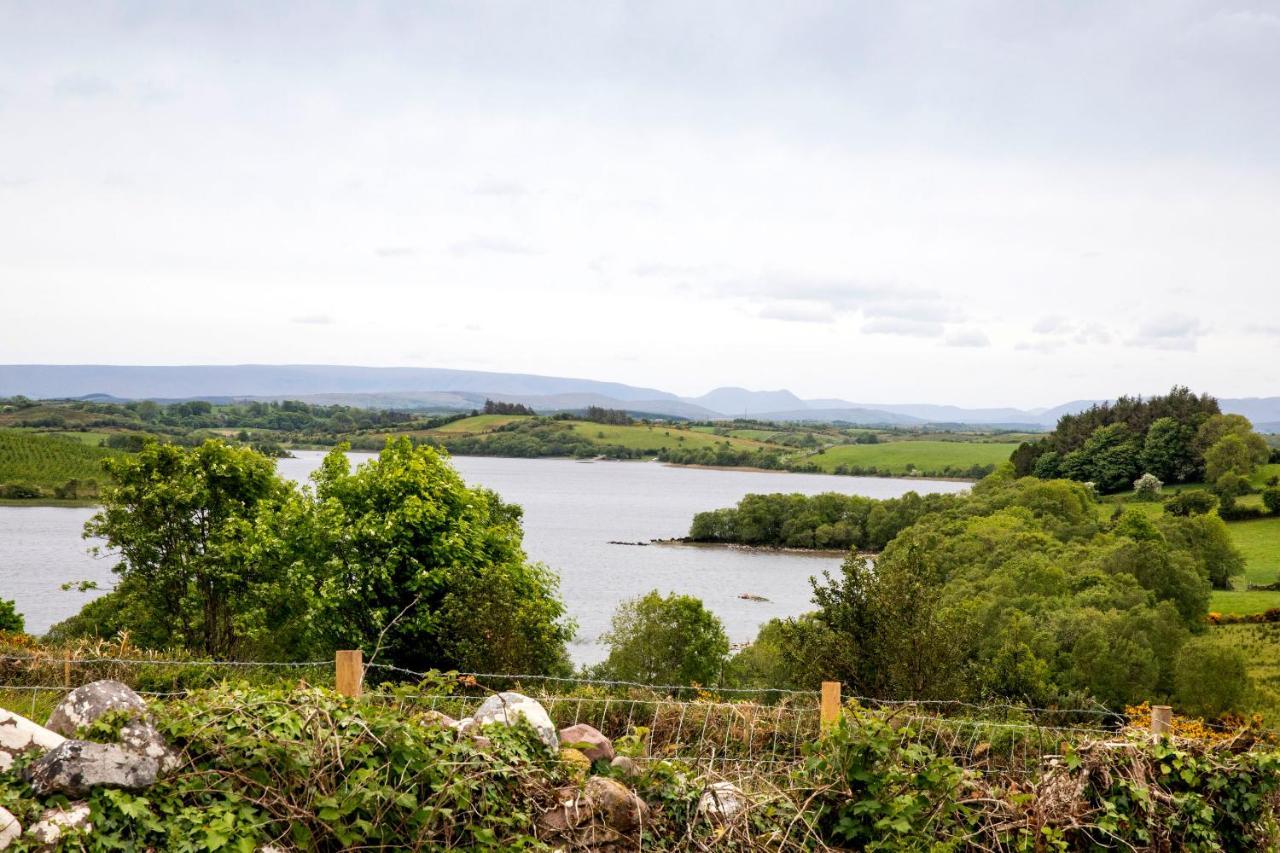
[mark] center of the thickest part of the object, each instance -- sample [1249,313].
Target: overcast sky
[974,203]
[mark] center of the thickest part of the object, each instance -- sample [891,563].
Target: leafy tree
[1212,679]
[1218,427]
[412,565]
[1228,455]
[665,640]
[1169,450]
[1231,485]
[1207,540]
[178,520]
[1271,500]
[11,620]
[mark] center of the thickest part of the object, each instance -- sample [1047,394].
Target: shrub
[665,640]
[1232,484]
[1211,679]
[10,619]
[1147,487]
[1191,502]
[1271,500]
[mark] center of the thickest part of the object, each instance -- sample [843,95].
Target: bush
[671,640]
[1211,679]
[1271,500]
[1232,484]
[1147,487]
[1191,502]
[11,620]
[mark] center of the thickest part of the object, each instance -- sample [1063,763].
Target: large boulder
[59,821]
[10,829]
[77,766]
[19,735]
[593,744]
[602,814]
[88,702]
[510,708]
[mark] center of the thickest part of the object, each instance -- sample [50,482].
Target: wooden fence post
[348,669]
[830,703]
[1161,719]
[66,670]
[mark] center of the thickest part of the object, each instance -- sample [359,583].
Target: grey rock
[722,800]
[19,735]
[77,766]
[621,808]
[88,702]
[594,745]
[626,765]
[509,708]
[57,822]
[10,829]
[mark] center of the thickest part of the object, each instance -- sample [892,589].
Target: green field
[656,437]
[47,463]
[1261,647]
[478,424]
[895,456]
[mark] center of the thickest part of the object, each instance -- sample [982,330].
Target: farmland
[904,457]
[39,466]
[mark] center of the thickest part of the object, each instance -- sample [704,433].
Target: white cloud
[968,338]
[904,328]
[489,246]
[796,312]
[1172,332]
[312,320]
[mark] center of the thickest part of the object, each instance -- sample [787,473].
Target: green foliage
[11,620]
[35,466]
[413,562]
[1212,679]
[179,521]
[1229,456]
[1147,488]
[1190,502]
[1169,450]
[1013,591]
[830,520]
[1271,500]
[873,791]
[665,640]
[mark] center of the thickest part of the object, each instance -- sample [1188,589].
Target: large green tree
[178,520]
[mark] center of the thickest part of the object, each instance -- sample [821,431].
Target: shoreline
[684,542]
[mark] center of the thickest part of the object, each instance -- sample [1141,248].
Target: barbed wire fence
[731,731]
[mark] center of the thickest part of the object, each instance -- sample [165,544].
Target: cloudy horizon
[979,204]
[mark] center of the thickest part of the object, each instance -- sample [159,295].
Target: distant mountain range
[441,389]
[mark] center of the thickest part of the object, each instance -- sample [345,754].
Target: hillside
[41,466]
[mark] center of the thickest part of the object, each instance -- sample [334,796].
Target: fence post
[830,703]
[348,669]
[1161,719]
[66,670]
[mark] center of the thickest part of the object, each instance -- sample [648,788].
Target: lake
[572,510]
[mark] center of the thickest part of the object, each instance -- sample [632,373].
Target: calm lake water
[571,512]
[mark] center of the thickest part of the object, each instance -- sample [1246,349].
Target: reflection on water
[572,511]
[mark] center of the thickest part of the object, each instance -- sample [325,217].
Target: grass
[895,456]
[45,461]
[1261,647]
[641,437]
[478,424]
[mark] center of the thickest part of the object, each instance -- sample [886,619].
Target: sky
[976,203]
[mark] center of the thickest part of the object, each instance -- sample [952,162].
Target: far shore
[683,542]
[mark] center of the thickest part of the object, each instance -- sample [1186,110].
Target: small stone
[579,766]
[436,718]
[19,735]
[77,766]
[56,822]
[722,800]
[626,765]
[588,739]
[88,702]
[621,808]
[509,708]
[10,829]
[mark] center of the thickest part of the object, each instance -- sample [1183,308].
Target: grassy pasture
[894,456]
[478,424]
[1261,647]
[656,437]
